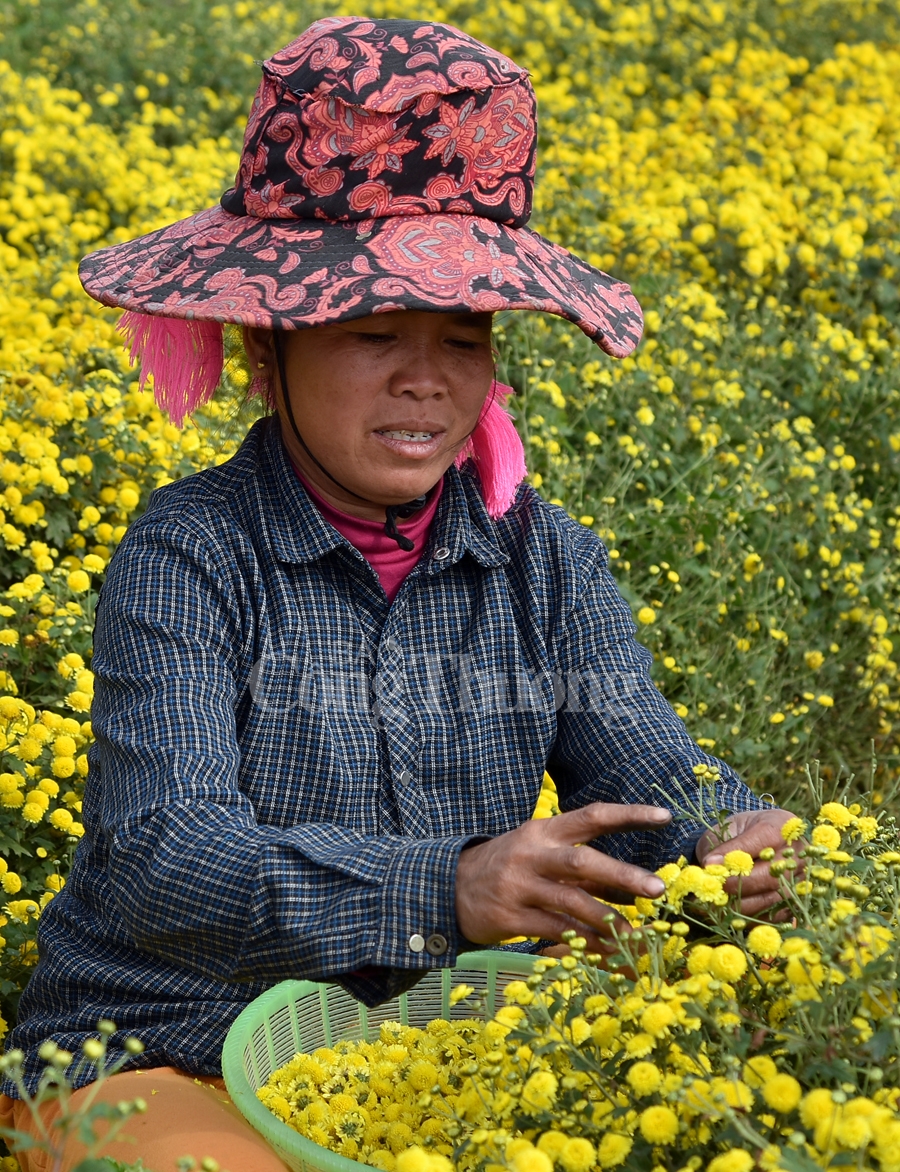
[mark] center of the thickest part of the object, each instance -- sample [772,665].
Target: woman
[331,672]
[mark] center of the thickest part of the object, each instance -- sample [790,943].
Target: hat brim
[292,274]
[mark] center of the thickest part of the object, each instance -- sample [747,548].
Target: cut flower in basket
[760,1045]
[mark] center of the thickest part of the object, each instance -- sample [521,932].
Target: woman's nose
[420,373]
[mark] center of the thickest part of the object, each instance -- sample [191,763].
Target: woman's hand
[541,878]
[750,831]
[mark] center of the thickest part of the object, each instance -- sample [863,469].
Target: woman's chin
[400,490]
[396,477]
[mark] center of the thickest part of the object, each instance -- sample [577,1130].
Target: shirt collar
[297,531]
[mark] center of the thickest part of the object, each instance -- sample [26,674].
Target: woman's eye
[378,339]
[464,343]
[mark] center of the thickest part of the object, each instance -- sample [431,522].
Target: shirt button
[441,554]
[405,777]
[416,942]
[436,944]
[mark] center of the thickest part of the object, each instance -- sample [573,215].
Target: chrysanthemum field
[737,161]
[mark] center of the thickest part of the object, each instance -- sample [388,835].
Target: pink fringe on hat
[495,447]
[184,357]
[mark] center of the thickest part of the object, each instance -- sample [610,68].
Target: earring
[261,366]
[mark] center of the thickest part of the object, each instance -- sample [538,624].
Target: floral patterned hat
[386,165]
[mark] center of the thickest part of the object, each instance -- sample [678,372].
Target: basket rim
[243,1094]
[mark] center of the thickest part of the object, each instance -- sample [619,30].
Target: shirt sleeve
[618,739]
[194,877]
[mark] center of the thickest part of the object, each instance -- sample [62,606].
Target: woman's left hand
[750,831]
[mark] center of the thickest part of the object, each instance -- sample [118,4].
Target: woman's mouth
[416,437]
[409,442]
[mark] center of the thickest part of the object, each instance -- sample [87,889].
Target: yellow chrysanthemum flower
[531,1160]
[837,814]
[614,1149]
[658,1125]
[539,1092]
[78,581]
[578,1155]
[735,1160]
[827,836]
[782,1093]
[728,963]
[657,1018]
[551,1142]
[644,1078]
[793,829]
[764,940]
[738,862]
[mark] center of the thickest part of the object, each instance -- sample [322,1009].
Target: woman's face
[385,402]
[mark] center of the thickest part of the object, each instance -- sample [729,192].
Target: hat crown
[358,119]
[383,65]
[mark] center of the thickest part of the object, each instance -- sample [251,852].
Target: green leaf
[59,529]
[12,846]
[797,1161]
[880,1043]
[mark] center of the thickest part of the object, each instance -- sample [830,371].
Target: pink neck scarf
[391,563]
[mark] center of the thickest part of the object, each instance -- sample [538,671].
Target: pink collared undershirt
[391,563]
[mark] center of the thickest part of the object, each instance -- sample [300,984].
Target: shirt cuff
[374,985]
[416,927]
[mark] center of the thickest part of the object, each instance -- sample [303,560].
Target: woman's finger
[575,903]
[759,880]
[609,894]
[587,867]
[600,818]
[757,904]
[755,831]
[550,926]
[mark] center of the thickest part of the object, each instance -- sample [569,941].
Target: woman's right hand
[542,878]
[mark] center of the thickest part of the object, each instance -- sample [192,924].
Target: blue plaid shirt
[286,767]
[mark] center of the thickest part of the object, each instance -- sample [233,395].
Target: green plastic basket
[300,1016]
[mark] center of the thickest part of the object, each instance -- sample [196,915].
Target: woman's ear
[259,346]
[260,350]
